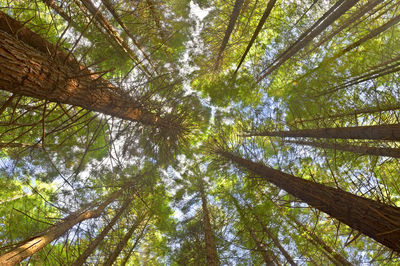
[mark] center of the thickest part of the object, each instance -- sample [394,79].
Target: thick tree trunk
[33,67]
[379,132]
[114,255]
[232,21]
[374,219]
[92,246]
[211,249]
[261,23]
[363,150]
[260,246]
[33,245]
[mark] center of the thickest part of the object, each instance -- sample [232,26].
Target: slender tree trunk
[41,71]
[101,19]
[114,255]
[274,238]
[34,244]
[328,18]
[232,21]
[92,246]
[128,255]
[211,249]
[369,110]
[111,9]
[363,150]
[260,246]
[374,219]
[379,132]
[261,23]
[331,253]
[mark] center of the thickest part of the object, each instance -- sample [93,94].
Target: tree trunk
[92,246]
[261,23]
[274,239]
[211,249]
[374,219]
[379,132]
[368,110]
[331,253]
[232,21]
[34,244]
[363,150]
[260,246]
[33,67]
[128,255]
[101,19]
[328,18]
[114,255]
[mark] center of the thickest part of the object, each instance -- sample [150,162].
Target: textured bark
[211,249]
[232,21]
[261,23]
[332,254]
[328,18]
[260,246]
[374,219]
[114,255]
[34,244]
[33,67]
[379,132]
[363,150]
[92,246]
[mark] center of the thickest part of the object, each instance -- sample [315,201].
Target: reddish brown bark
[33,67]
[211,249]
[380,132]
[372,218]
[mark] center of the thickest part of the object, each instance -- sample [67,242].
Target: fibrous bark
[372,218]
[33,67]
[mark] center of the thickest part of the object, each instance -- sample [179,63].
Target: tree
[372,218]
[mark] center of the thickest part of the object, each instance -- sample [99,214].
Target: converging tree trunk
[372,218]
[260,246]
[33,67]
[379,132]
[36,243]
[273,237]
[363,150]
[114,255]
[261,23]
[92,246]
[232,21]
[211,249]
[331,253]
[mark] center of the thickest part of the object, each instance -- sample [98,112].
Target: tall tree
[374,219]
[31,246]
